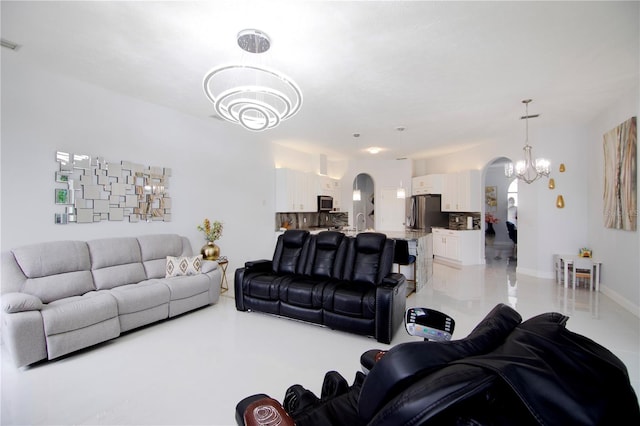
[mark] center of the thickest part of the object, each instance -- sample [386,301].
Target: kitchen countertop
[412,234]
[449,229]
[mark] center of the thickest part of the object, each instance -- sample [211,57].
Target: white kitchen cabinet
[428,184]
[331,187]
[461,192]
[449,200]
[296,191]
[445,244]
[457,247]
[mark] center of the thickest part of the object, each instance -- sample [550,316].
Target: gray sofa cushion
[138,297]
[156,248]
[74,313]
[55,270]
[55,287]
[115,276]
[116,262]
[58,257]
[187,286]
[20,302]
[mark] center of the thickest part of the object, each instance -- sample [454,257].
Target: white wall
[212,174]
[617,249]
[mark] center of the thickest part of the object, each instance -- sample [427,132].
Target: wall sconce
[552,183]
[560,202]
[562,168]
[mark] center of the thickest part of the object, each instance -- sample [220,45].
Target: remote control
[429,324]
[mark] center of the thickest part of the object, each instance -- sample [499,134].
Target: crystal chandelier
[528,170]
[253,96]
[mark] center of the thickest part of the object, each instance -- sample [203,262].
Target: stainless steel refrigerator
[424,212]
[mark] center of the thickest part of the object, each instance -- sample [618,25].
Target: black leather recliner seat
[506,372]
[341,282]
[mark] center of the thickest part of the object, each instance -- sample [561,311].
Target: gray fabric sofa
[59,297]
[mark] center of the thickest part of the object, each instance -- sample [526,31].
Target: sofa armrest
[391,303]
[23,336]
[20,302]
[262,265]
[261,409]
[393,279]
[253,266]
[208,266]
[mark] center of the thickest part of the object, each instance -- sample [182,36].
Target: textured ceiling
[452,73]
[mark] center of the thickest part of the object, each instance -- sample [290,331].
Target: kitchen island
[421,246]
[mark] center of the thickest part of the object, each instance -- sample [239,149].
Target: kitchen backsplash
[458,221]
[309,220]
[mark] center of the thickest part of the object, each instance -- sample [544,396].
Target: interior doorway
[498,189]
[363,202]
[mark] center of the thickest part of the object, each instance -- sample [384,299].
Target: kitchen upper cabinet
[296,191]
[428,184]
[331,187]
[457,247]
[461,192]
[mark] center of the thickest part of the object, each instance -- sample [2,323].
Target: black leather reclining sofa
[331,279]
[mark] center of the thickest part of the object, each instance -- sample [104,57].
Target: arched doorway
[498,189]
[363,202]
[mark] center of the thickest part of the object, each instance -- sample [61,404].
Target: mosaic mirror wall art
[92,190]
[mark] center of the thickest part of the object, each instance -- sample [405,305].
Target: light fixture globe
[256,97]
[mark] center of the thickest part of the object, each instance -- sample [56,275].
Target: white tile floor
[195,368]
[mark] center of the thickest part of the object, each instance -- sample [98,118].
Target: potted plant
[212,232]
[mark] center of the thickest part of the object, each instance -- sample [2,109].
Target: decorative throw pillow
[178,266]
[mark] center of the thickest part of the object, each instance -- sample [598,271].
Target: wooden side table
[223,262]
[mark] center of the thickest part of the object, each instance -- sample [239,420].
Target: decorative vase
[489,234]
[210,251]
[490,231]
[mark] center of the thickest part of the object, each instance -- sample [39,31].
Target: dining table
[568,259]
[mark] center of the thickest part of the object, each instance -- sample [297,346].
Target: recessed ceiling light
[374,150]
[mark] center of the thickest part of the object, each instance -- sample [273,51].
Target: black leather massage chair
[506,372]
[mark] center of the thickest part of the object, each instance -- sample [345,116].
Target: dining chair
[557,266]
[583,269]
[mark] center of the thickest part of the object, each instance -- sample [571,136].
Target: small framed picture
[62,177]
[61,218]
[62,196]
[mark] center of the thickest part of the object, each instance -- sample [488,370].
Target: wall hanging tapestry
[620,177]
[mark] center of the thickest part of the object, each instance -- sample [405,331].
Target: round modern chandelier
[256,97]
[528,170]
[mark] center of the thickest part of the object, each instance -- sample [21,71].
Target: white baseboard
[616,297]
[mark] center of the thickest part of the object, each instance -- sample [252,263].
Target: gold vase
[210,251]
